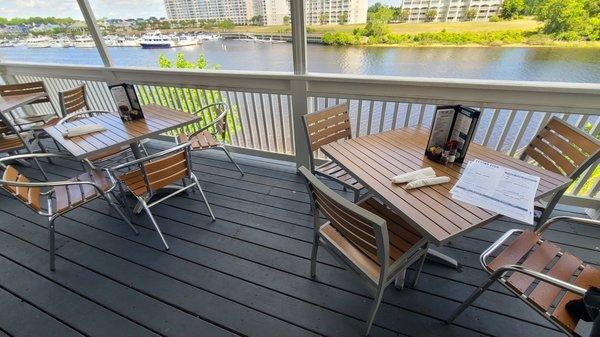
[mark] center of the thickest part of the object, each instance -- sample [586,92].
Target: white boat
[185,40]
[84,42]
[6,43]
[209,37]
[38,42]
[252,38]
[64,42]
[156,40]
[121,41]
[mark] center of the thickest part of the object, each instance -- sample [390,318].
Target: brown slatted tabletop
[373,160]
[8,103]
[158,119]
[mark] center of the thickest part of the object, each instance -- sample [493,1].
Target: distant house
[15,29]
[41,28]
[78,27]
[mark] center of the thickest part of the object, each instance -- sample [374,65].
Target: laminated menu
[127,101]
[452,130]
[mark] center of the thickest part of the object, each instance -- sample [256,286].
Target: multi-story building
[238,11]
[272,12]
[450,10]
[330,11]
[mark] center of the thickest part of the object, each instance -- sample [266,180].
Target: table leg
[399,281]
[135,148]
[437,257]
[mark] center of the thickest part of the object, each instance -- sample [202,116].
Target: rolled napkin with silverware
[80,130]
[427,182]
[423,173]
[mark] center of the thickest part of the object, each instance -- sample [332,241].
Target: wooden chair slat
[73,100]
[515,251]
[25,88]
[588,277]
[29,195]
[542,160]
[326,113]
[563,144]
[558,158]
[537,261]
[317,126]
[544,294]
[575,136]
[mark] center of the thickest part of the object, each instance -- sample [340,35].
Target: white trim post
[90,20]
[299,85]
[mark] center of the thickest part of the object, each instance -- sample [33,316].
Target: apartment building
[330,11]
[451,10]
[272,12]
[238,11]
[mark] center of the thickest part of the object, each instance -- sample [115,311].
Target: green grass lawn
[408,28]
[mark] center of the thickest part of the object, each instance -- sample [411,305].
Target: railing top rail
[527,95]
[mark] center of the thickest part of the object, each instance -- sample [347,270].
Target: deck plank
[247,272]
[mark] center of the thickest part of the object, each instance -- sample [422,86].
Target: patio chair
[213,133]
[13,141]
[27,122]
[73,100]
[324,127]
[368,237]
[538,272]
[563,149]
[61,196]
[98,160]
[157,171]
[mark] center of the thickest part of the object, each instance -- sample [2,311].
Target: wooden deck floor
[245,274]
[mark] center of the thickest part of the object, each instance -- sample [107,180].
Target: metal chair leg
[143,203]
[203,196]
[231,159]
[421,262]
[43,148]
[471,298]
[41,169]
[374,308]
[51,243]
[313,256]
[112,204]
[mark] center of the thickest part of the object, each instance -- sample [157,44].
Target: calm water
[535,64]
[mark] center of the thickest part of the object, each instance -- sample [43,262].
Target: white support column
[90,20]
[299,86]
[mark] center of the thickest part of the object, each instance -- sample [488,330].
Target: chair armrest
[486,253]
[542,277]
[551,221]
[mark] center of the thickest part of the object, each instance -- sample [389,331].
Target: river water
[504,63]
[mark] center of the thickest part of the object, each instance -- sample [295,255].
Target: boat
[252,38]
[64,42]
[121,41]
[38,42]
[156,40]
[6,43]
[185,40]
[209,37]
[84,42]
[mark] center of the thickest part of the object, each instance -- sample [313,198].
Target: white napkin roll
[423,173]
[81,130]
[427,182]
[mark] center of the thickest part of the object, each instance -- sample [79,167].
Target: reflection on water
[536,64]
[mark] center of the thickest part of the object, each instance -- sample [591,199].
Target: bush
[495,18]
[340,39]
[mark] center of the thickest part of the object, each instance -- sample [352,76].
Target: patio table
[158,119]
[374,159]
[10,103]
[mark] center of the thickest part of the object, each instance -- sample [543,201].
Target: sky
[102,8]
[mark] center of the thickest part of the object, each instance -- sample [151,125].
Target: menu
[452,130]
[127,101]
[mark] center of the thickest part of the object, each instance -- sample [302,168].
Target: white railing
[265,121]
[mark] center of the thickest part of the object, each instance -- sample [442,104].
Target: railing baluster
[382,118]
[395,117]
[251,121]
[291,125]
[408,114]
[421,114]
[358,118]
[522,131]
[507,125]
[283,137]
[240,117]
[491,128]
[370,114]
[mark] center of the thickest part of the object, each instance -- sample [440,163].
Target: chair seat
[531,251]
[202,141]
[68,197]
[333,171]
[12,142]
[401,237]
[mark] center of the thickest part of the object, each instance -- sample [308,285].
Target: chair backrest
[157,171]
[81,115]
[73,100]
[364,230]
[10,138]
[30,196]
[215,119]
[25,88]
[326,126]
[563,148]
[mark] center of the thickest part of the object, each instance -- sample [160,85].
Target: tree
[286,20]
[511,8]
[430,15]
[402,15]
[226,24]
[323,18]
[471,14]
[257,20]
[377,22]
[343,18]
[374,7]
[563,16]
